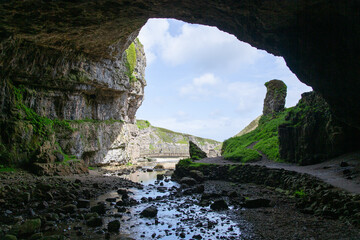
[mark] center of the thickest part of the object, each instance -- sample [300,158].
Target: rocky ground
[98,205]
[342,172]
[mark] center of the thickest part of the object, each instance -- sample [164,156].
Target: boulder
[188,181]
[113,226]
[149,212]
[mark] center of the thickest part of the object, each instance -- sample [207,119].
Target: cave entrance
[205,82]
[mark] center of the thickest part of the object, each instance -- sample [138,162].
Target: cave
[318,39]
[64,61]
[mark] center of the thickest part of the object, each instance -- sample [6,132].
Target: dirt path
[342,172]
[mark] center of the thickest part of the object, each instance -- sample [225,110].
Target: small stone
[100,209]
[344,164]
[36,236]
[110,199]
[160,177]
[70,208]
[114,226]
[188,181]
[83,203]
[94,222]
[219,205]
[197,175]
[10,237]
[198,236]
[149,212]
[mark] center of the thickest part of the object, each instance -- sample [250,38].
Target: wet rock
[110,199]
[10,237]
[94,222]
[162,189]
[197,175]
[70,208]
[36,236]
[99,209]
[219,205]
[188,181]
[160,177]
[198,236]
[233,194]
[83,203]
[149,212]
[114,226]
[344,164]
[158,167]
[43,187]
[256,203]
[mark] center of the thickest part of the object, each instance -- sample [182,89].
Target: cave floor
[181,215]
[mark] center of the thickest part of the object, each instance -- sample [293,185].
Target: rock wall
[80,107]
[160,142]
[313,134]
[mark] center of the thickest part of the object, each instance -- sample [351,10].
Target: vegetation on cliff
[265,137]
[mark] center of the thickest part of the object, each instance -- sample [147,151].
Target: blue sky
[205,82]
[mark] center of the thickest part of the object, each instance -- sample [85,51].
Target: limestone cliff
[161,142]
[75,106]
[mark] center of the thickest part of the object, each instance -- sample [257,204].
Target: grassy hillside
[169,136]
[266,136]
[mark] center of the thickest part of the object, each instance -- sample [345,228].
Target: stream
[178,217]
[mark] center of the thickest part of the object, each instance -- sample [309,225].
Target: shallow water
[179,217]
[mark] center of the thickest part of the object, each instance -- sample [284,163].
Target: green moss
[299,193]
[189,163]
[151,147]
[6,169]
[266,134]
[195,152]
[91,168]
[131,62]
[142,124]
[67,157]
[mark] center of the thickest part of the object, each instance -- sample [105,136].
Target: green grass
[266,134]
[142,124]
[131,62]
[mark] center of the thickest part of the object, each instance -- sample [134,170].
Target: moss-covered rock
[195,152]
[312,134]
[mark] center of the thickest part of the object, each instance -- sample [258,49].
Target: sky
[206,82]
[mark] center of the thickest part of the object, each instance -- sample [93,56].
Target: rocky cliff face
[312,133]
[160,142]
[79,107]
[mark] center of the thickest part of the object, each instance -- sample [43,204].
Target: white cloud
[204,46]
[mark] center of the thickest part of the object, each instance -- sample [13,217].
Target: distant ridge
[252,126]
